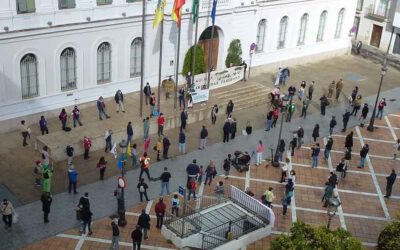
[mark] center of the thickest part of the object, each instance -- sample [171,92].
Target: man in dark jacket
[184,117]
[129,131]
[160,212]
[144,223]
[233,129]
[142,187]
[86,216]
[165,176]
[192,170]
[332,125]
[119,99]
[346,118]
[226,128]
[300,135]
[328,147]
[389,185]
[203,137]
[147,93]
[324,103]
[46,203]
[349,141]
[115,234]
[136,238]
[166,144]
[363,154]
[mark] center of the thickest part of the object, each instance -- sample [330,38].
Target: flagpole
[194,46]
[160,64]
[210,55]
[177,67]
[142,58]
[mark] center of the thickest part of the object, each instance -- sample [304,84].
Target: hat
[37,162]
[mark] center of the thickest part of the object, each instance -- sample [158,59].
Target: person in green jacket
[290,109]
[306,102]
[47,174]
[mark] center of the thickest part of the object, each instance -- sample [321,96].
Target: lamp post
[333,204]
[383,72]
[275,161]
[121,185]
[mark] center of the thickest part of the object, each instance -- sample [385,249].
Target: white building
[374,24]
[57,53]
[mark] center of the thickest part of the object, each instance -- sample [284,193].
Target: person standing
[269,197]
[72,178]
[293,144]
[311,90]
[144,166]
[25,132]
[332,125]
[281,149]
[396,148]
[192,170]
[364,113]
[346,118]
[315,133]
[278,77]
[182,98]
[160,212]
[357,105]
[233,128]
[227,166]
[166,143]
[146,128]
[86,216]
[38,173]
[45,156]
[108,138]
[226,129]
[129,132]
[210,172]
[358,47]
[159,147]
[87,144]
[7,210]
[324,103]
[160,123]
[314,155]
[363,154]
[259,150]
[76,113]
[300,136]
[165,177]
[136,236]
[268,121]
[354,94]
[214,112]
[275,117]
[331,88]
[175,205]
[389,183]
[101,107]
[349,141]
[63,118]
[192,186]
[203,137]
[381,106]
[144,223]
[339,88]
[142,187]
[147,93]
[134,155]
[229,108]
[290,108]
[182,142]
[43,125]
[115,234]
[219,190]
[153,103]
[69,150]
[284,169]
[119,99]
[301,93]
[102,165]
[47,174]
[46,200]
[328,147]
[184,118]
[306,102]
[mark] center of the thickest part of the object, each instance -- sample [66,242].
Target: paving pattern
[364,211]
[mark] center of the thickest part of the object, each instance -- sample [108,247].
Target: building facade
[374,24]
[57,53]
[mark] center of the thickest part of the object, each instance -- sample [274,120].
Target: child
[201,173]
[175,205]
[37,171]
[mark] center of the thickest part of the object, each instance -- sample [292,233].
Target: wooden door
[376,36]
[207,44]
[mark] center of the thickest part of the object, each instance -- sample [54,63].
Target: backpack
[142,189]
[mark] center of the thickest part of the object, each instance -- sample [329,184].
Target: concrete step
[241,91]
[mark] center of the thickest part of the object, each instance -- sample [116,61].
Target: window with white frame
[261,35]
[29,76]
[25,6]
[339,24]
[282,32]
[382,7]
[321,27]
[303,29]
[104,63]
[66,4]
[68,69]
[136,57]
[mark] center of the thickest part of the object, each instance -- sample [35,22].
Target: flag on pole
[214,11]
[114,150]
[177,11]
[120,163]
[129,150]
[195,10]
[159,16]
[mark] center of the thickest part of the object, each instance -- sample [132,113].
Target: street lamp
[121,185]
[333,204]
[275,161]
[383,72]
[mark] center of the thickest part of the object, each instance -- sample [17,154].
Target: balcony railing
[379,14]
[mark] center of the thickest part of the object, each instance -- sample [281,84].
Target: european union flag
[214,11]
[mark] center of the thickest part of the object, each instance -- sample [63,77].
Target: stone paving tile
[263,244]
[379,148]
[309,198]
[396,186]
[361,204]
[384,166]
[303,156]
[354,162]
[311,176]
[53,243]
[282,222]
[379,134]
[318,219]
[267,172]
[364,229]
[394,121]
[357,182]
[393,207]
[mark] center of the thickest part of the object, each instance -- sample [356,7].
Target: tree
[389,238]
[199,64]
[304,236]
[234,53]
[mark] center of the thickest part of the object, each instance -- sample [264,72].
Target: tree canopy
[389,238]
[199,64]
[234,53]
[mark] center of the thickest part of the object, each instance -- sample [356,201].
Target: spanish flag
[159,16]
[177,11]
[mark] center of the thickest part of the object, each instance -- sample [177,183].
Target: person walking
[354,94]
[381,106]
[7,210]
[165,177]
[364,114]
[227,166]
[108,138]
[43,125]
[86,216]
[311,90]
[87,144]
[153,103]
[166,143]
[182,142]
[290,108]
[323,103]
[72,178]
[284,169]
[269,197]
[328,147]
[102,165]
[229,108]
[233,128]
[332,125]
[304,108]
[160,123]
[363,154]
[101,107]
[331,88]
[175,205]
[119,99]
[226,129]
[357,105]
[259,150]
[115,234]
[314,155]
[281,149]
[300,136]
[76,115]
[147,93]
[129,131]
[275,117]
[144,223]
[142,187]
[346,118]
[25,131]
[214,112]
[146,128]
[46,200]
[70,154]
[63,118]
[203,137]
[358,47]
[348,143]
[389,183]
[160,212]
[184,118]
[301,93]
[210,172]
[47,175]
[136,236]
[396,148]
[293,144]
[268,120]
[340,168]
[144,166]
[339,88]
[315,132]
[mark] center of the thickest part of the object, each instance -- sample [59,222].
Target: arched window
[29,76]
[68,69]
[260,35]
[282,32]
[104,63]
[321,27]
[136,57]
[303,29]
[339,24]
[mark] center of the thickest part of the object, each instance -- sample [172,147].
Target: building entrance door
[376,36]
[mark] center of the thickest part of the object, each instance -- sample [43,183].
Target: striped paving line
[380,126]
[293,200]
[391,129]
[365,139]
[348,171]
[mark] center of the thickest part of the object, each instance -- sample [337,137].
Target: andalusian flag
[195,10]
[129,150]
[159,16]
[177,11]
